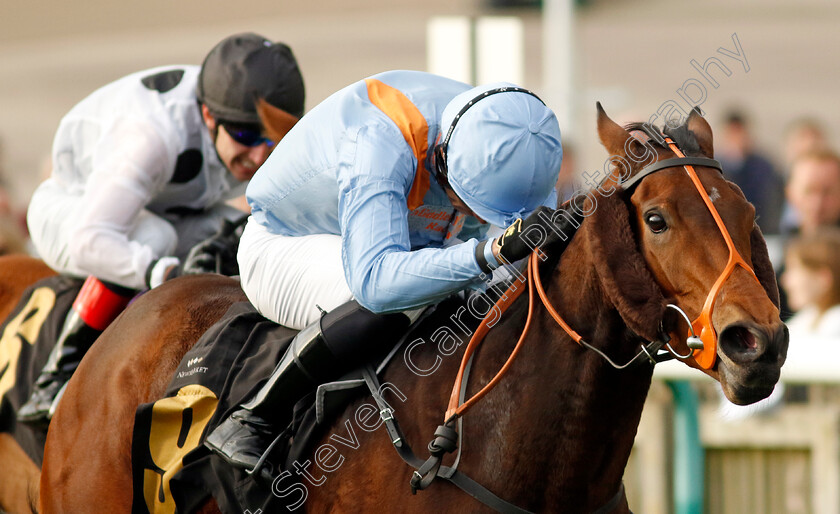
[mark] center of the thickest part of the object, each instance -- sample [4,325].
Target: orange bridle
[704,357]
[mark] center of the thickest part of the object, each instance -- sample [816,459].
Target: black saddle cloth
[27,337]
[227,365]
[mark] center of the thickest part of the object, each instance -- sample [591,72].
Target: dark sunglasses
[247,135]
[440,150]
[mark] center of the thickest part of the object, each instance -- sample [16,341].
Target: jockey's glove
[545,226]
[216,254]
[161,270]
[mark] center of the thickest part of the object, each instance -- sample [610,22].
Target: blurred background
[764,72]
[633,56]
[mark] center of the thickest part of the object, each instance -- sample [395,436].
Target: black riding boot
[340,340]
[75,339]
[94,308]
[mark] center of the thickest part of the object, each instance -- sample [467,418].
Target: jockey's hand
[161,270]
[216,254]
[544,226]
[210,256]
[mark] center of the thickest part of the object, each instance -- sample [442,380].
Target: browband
[669,163]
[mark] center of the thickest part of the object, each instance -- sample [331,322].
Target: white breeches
[288,277]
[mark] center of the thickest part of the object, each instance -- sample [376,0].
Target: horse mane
[681,135]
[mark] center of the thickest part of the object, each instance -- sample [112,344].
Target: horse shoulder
[417,392]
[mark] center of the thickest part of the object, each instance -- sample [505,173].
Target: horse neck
[562,422]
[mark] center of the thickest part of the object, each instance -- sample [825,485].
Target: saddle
[173,470]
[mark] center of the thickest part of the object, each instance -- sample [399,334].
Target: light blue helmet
[502,151]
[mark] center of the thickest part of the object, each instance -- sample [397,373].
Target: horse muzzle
[750,359]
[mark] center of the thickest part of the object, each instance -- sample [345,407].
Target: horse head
[655,240]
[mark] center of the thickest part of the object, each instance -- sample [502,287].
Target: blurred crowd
[13,233]
[798,208]
[797,202]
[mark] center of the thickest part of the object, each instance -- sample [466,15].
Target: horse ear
[624,275]
[702,132]
[762,267]
[612,135]
[276,122]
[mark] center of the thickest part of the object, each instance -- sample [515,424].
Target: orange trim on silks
[97,305]
[455,226]
[414,128]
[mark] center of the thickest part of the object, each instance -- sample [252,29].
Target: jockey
[379,202]
[142,169]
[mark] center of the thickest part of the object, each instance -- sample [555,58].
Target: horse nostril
[747,338]
[740,343]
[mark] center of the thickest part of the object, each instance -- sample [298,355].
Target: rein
[447,438]
[457,407]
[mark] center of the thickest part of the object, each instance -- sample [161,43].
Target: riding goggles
[247,135]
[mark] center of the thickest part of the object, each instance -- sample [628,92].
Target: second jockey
[141,171]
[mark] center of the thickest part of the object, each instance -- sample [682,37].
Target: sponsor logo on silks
[435,227]
[442,214]
[194,361]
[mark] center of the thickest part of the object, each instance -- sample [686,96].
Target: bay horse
[556,432]
[19,487]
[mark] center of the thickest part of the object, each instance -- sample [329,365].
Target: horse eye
[655,222]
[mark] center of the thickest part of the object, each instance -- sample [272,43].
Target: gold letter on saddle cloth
[24,327]
[173,434]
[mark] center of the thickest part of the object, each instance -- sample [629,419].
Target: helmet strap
[441,168]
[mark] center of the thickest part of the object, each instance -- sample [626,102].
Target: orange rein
[514,291]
